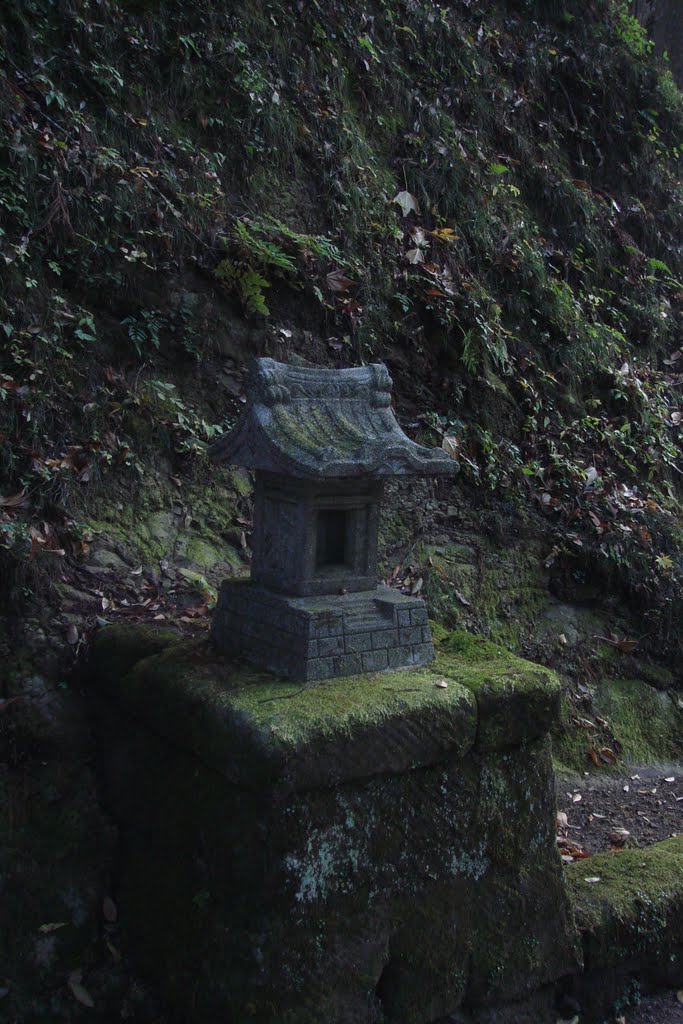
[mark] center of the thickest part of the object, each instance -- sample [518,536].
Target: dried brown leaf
[338,282]
[79,992]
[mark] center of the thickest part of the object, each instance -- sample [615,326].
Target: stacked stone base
[366,851]
[307,638]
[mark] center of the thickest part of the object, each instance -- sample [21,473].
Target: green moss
[471,647]
[516,700]
[265,726]
[439,633]
[646,722]
[506,593]
[156,521]
[635,910]
[116,649]
[570,743]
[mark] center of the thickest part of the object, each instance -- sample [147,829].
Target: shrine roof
[317,423]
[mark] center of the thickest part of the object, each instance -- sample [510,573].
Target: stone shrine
[322,443]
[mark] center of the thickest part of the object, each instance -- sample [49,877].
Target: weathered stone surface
[305,638]
[259,732]
[340,852]
[630,920]
[322,443]
[316,423]
[516,701]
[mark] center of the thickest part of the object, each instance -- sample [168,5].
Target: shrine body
[322,444]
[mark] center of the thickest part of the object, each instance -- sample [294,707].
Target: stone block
[422,654]
[358,643]
[331,645]
[318,668]
[411,635]
[348,665]
[382,893]
[264,626]
[399,657]
[418,616]
[383,638]
[375,661]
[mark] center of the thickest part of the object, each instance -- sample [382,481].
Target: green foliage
[247,284]
[537,255]
[259,250]
[630,31]
[144,331]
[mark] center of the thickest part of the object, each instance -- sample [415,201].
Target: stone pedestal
[308,638]
[379,849]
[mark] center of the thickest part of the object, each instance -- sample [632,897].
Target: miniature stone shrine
[322,443]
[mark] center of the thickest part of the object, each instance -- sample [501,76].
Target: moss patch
[645,721]
[635,910]
[370,723]
[196,526]
[516,700]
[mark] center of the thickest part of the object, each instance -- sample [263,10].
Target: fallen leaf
[442,684]
[417,586]
[576,798]
[445,234]
[80,993]
[72,634]
[53,926]
[670,778]
[592,879]
[19,500]
[415,256]
[419,237]
[451,445]
[462,599]
[406,201]
[679,996]
[338,282]
[618,836]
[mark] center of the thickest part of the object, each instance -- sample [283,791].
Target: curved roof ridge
[316,423]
